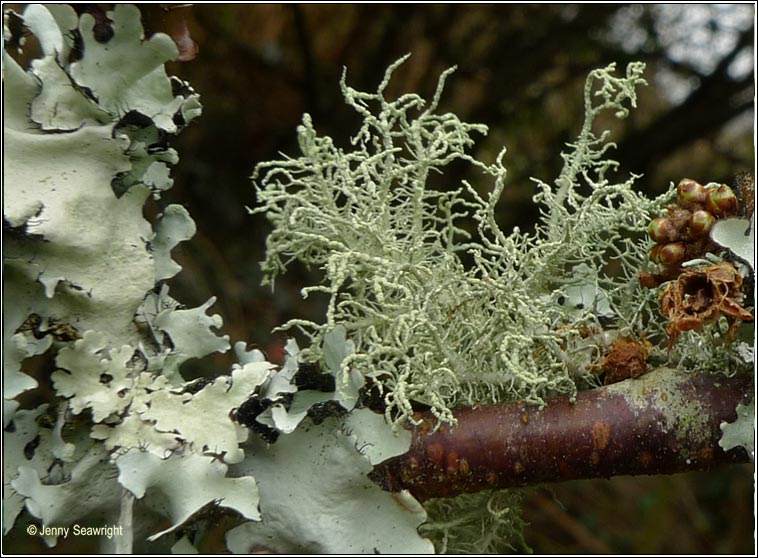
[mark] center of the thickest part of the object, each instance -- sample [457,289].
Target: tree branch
[663,422]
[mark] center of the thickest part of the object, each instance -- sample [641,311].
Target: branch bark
[663,422]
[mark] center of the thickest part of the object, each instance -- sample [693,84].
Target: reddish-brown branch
[663,422]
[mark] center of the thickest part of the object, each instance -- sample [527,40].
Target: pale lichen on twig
[427,328]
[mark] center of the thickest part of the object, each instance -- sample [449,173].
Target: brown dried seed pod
[627,358]
[701,296]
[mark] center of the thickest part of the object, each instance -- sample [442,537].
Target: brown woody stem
[663,422]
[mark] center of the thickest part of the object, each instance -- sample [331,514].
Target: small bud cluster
[696,296]
[683,233]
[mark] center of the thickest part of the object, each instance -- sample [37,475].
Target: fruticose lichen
[487,522]
[426,328]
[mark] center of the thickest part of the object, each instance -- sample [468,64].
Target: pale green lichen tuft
[487,522]
[425,327]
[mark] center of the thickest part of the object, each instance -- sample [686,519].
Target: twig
[663,422]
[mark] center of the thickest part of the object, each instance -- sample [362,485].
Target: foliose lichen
[86,143]
[86,133]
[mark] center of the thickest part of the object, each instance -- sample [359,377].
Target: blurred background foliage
[521,70]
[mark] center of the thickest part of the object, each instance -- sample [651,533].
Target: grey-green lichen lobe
[669,395]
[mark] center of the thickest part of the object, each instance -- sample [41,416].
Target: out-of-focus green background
[521,70]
